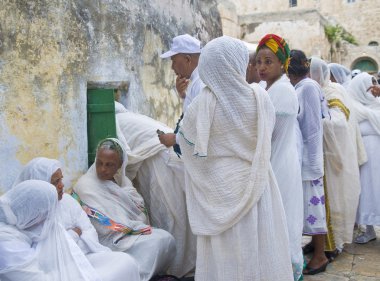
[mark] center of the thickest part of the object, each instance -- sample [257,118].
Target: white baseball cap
[183,44]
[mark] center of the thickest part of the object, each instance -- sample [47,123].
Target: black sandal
[308,248]
[313,271]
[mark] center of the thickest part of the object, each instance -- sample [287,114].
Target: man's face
[56,180]
[181,64]
[107,163]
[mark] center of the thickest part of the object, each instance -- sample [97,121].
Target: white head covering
[366,105]
[28,213]
[39,168]
[119,201]
[319,71]
[341,73]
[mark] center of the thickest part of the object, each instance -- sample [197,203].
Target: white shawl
[119,201]
[226,140]
[365,104]
[51,255]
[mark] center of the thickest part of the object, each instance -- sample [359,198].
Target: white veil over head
[39,168]
[341,73]
[28,214]
[319,71]
[366,105]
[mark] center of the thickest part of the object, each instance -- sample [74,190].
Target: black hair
[299,64]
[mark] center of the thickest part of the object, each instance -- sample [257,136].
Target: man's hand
[375,90]
[167,139]
[78,231]
[181,84]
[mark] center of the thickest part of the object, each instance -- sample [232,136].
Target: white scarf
[366,105]
[219,131]
[119,201]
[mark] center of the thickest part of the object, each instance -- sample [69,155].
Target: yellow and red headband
[278,46]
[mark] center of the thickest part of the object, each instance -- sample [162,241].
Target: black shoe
[332,255]
[308,248]
[313,271]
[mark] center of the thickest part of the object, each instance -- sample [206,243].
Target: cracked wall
[49,50]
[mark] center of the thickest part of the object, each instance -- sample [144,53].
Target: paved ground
[355,263]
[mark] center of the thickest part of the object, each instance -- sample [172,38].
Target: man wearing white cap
[184,53]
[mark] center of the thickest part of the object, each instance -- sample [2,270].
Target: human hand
[375,90]
[77,230]
[181,84]
[167,139]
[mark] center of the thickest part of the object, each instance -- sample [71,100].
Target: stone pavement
[355,263]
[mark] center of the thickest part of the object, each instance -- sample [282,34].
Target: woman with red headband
[272,63]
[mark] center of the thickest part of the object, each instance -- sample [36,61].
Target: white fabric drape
[368,112]
[33,232]
[341,161]
[286,166]
[231,193]
[122,203]
[159,174]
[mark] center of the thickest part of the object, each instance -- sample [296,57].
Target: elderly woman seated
[117,211]
[33,246]
[110,266]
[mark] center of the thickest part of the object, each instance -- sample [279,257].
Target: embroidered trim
[109,223]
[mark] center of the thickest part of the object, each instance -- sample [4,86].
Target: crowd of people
[271,146]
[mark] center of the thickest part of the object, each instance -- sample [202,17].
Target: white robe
[286,166]
[160,178]
[369,205]
[111,266]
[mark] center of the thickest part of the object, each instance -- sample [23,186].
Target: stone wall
[50,49]
[358,18]
[309,24]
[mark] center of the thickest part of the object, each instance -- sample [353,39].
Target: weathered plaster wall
[49,49]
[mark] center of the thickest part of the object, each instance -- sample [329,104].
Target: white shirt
[194,88]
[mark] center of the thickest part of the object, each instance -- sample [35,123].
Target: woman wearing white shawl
[117,211]
[341,162]
[33,246]
[111,266]
[368,114]
[233,201]
[159,176]
[284,157]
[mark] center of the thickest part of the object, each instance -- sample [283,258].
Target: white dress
[111,266]
[369,204]
[286,166]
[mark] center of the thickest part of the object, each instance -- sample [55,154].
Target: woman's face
[107,163]
[56,180]
[268,66]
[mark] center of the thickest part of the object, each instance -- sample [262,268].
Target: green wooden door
[100,118]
